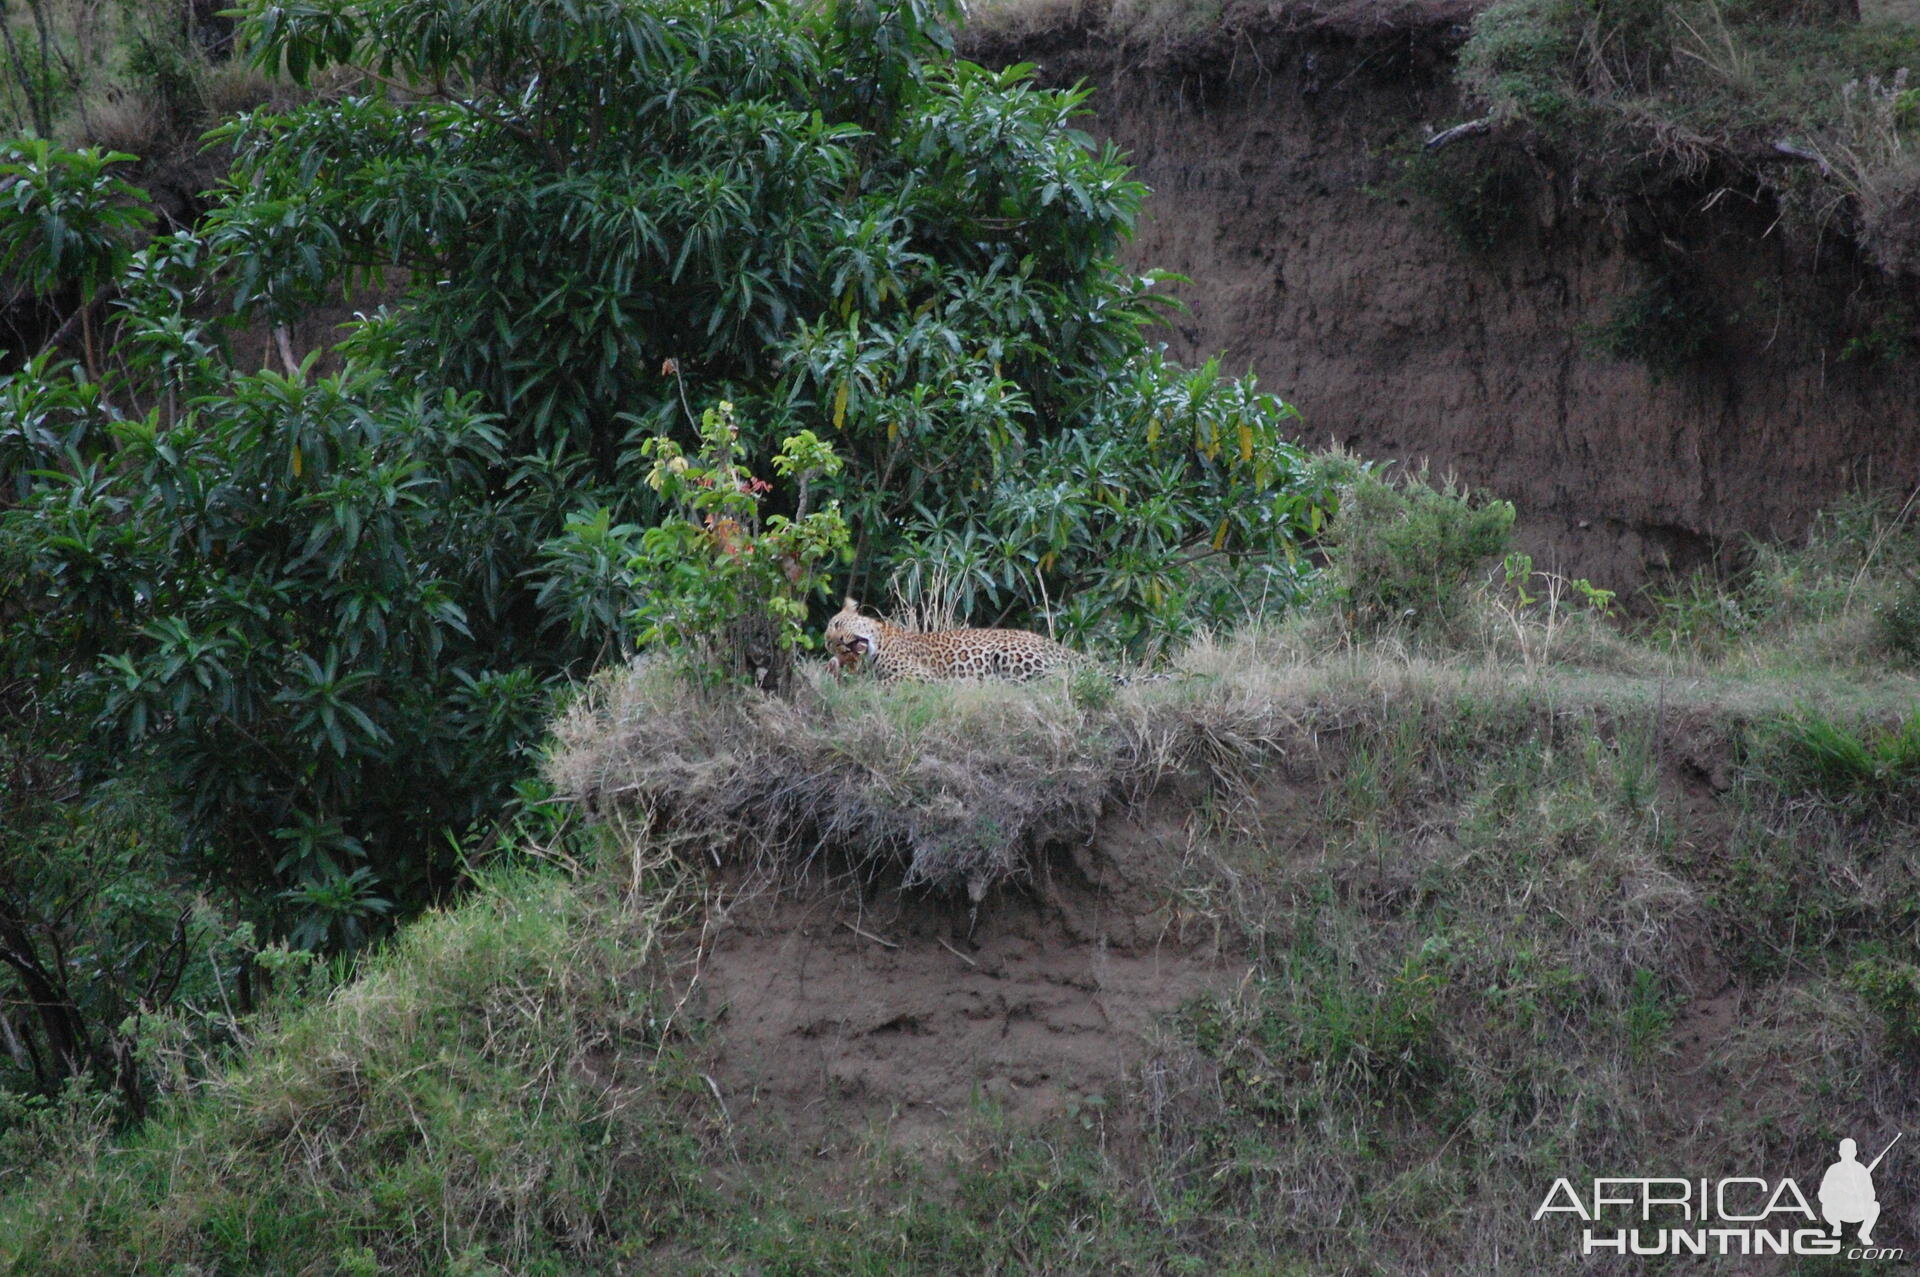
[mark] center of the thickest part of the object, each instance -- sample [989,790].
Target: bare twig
[715,1088]
[77,320]
[868,935]
[956,953]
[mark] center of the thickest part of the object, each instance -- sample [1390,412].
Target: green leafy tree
[97,929]
[814,212]
[64,219]
[288,595]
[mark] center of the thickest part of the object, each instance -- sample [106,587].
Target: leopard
[901,655]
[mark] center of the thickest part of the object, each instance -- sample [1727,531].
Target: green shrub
[1700,611]
[723,587]
[1898,619]
[173,72]
[104,933]
[1886,338]
[280,604]
[1092,689]
[1892,990]
[1403,552]
[1520,55]
[1814,754]
[1479,193]
[1667,325]
[331,607]
[64,218]
[815,213]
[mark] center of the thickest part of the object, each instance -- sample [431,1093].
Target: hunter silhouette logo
[1738,1215]
[1846,1193]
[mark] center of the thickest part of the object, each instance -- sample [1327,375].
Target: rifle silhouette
[1883,1152]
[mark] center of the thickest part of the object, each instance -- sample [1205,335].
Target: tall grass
[494,1090]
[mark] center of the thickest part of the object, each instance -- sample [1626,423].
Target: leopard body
[895,654]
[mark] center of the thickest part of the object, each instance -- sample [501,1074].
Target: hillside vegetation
[1494,894]
[137,77]
[427,843]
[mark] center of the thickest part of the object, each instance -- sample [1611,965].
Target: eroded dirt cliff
[1277,162]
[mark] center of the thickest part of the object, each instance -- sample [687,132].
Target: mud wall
[1277,162]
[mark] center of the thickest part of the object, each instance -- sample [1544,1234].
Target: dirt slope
[842,1010]
[1274,157]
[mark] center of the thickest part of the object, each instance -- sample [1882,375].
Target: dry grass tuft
[945,784]
[128,122]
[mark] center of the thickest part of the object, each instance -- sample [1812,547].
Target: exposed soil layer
[845,1010]
[1275,157]
[842,1010]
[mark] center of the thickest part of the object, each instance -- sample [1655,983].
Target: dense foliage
[624,251]
[601,209]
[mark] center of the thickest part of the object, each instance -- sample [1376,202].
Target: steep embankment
[1277,154]
[1304,963]
[1329,954]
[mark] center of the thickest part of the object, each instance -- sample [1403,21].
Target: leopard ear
[850,604]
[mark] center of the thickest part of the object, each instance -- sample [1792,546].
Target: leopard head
[852,639]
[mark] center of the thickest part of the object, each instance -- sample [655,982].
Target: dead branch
[1447,137]
[1788,151]
[868,935]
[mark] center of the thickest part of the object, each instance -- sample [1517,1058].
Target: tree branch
[439,90]
[74,320]
[1786,150]
[1447,137]
[285,346]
